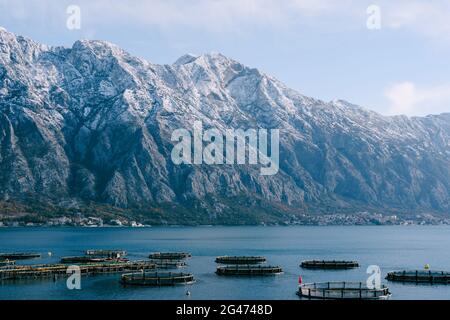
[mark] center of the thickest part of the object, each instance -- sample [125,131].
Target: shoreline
[221,226]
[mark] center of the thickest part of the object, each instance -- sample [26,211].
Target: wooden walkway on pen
[53,270]
[248,270]
[420,276]
[157,279]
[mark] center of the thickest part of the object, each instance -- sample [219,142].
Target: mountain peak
[217,58]
[18,48]
[6,35]
[185,59]
[97,46]
[208,58]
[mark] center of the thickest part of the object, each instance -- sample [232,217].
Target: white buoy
[50,254]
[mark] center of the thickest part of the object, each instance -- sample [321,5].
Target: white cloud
[209,15]
[408,99]
[428,18]
[212,15]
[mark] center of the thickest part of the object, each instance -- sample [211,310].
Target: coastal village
[363,218]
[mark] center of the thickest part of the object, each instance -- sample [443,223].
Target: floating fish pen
[107,253]
[45,271]
[170,255]
[157,279]
[342,290]
[240,260]
[420,276]
[19,256]
[248,270]
[90,259]
[329,264]
[168,264]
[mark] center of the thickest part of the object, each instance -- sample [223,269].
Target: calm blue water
[390,247]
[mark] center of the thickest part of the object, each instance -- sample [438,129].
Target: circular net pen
[169,255]
[420,276]
[106,253]
[342,290]
[248,270]
[329,264]
[168,264]
[157,279]
[240,260]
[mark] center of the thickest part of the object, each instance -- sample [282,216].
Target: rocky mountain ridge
[90,126]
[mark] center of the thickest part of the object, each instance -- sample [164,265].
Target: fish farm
[240,260]
[329,264]
[53,270]
[157,279]
[419,276]
[170,255]
[342,290]
[248,270]
[19,256]
[151,272]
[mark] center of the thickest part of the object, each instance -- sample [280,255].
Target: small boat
[329,264]
[419,276]
[157,279]
[248,270]
[342,291]
[240,260]
[19,256]
[169,255]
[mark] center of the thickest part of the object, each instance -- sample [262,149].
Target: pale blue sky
[321,48]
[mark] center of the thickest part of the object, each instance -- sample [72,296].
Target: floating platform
[329,264]
[248,270]
[170,255]
[157,279]
[419,276]
[19,256]
[106,253]
[168,264]
[342,290]
[240,260]
[90,259]
[53,270]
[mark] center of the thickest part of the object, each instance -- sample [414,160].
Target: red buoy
[300,279]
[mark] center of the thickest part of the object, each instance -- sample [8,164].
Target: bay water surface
[389,247]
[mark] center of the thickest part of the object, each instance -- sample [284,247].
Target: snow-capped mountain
[93,124]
